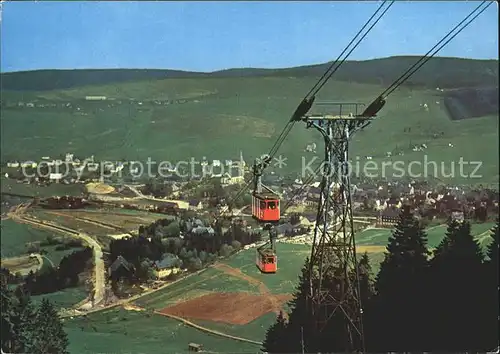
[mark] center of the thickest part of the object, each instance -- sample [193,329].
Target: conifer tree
[367,292]
[457,271]
[300,332]
[492,250]
[290,337]
[444,245]
[7,314]
[406,257]
[401,301]
[299,325]
[438,278]
[276,336]
[24,322]
[49,337]
[365,281]
[491,308]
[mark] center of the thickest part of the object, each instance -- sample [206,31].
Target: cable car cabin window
[267,260]
[262,205]
[272,205]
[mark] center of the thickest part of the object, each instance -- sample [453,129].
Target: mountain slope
[438,72]
[176,119]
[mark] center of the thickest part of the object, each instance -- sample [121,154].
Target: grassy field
[13,241]
[211,280]
[88,335]
[72,223]
[122,331]
[65,298]
[11,186]
[15,237]
[127,221]
[247,114]
[112,324]
[434,234]
[102,224]
[290,261]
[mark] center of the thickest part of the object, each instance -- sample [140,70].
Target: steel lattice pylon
[334,283]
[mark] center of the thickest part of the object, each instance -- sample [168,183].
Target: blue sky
[207,36]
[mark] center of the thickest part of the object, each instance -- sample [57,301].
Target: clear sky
[207,36]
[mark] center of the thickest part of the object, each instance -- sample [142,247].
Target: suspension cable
[358,42]
[379,102]
[436,48]
[309,97]
[308,100]
[336,61]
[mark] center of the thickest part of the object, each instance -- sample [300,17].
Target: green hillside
[440,72]
[216,117]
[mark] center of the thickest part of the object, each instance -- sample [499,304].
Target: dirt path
[263,289]
[194,325]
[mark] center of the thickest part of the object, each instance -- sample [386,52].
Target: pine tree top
[459,249]
[493,247]
[408,237]
[406,255]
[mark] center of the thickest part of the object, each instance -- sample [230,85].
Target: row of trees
[50,280]
[198,246]
[444,301]
[26,328]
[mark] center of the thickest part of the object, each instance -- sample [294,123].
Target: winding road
[17,214]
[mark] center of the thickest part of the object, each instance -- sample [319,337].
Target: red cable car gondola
[265,202]
[265,209]
[267,260]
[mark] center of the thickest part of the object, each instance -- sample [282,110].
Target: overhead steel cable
[308,100]
[345,49]
[334,66]
[433,51]
[358,42]
[379,102]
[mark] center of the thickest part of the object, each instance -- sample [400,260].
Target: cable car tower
[334,283]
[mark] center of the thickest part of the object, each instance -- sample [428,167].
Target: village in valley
[104,189]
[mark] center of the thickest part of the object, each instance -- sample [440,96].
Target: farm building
[119,267]
[388,217]
[193,347]
[168,265]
